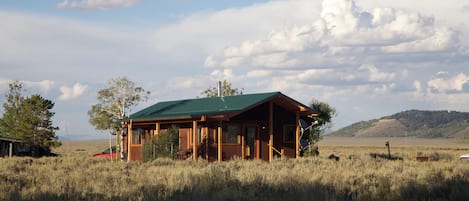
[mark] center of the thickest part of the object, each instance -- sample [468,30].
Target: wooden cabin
[253,126]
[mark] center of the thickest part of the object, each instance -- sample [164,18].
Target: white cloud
[72,92]
[342,31]
[258,73]
[210,62]
[377,56]
[376,76]
[206,32]
[95,4]
[417,86]
[448,84]
[225,74]
[44,85]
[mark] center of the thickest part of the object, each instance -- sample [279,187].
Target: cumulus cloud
[446,83]
[95,4]
[374,75]
[342,31]
[72,92]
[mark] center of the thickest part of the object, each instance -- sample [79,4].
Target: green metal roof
[202,106]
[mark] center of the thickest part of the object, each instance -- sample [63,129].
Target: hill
[416,123]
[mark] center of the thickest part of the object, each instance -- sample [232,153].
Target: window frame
[137,136]
[233,140]
[289,129]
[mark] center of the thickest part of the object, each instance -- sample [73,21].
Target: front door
[250,136]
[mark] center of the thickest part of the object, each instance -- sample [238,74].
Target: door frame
[255,142]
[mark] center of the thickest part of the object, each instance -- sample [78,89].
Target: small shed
[8,146]
[251,126]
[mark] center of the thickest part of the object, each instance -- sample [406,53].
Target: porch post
[219,143]
[206,136]
[10,150]
[129,141]
[242,145]
[257,146]
[271,132]
[157,128]
[194,140]
[297,135]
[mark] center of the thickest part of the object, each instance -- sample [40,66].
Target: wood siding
[207,147]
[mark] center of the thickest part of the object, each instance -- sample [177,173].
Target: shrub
[164,145]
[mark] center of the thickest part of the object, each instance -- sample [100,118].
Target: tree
[38,116]
[10,124]
[116,103]
[29,119]
[226,90]
[323,122]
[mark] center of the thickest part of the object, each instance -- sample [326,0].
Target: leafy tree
[116,103]
[226,90]
[323,122]
[29,119]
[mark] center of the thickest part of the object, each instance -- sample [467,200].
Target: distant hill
[416,123]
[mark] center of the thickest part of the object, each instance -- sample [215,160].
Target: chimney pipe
[219,89]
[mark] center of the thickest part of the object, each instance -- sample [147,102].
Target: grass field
[356,176]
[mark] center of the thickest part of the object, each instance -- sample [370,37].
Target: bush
[164,145]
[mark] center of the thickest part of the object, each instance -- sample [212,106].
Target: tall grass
[312,178]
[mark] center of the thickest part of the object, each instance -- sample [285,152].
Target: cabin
[251,126]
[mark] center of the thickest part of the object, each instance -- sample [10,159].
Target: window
[230,134]
[137,136]
[200,136]
[289,133]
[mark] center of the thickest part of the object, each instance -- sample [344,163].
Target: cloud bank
[95,4]
[366,58]
[342,31]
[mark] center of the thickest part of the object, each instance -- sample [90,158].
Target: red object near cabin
[108,153]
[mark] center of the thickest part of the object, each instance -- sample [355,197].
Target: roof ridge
[198,106]
[215,97]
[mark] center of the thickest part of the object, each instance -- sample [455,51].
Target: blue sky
[366,58]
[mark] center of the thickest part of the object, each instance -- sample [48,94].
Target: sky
[365,58]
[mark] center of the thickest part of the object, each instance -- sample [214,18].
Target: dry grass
[76,176]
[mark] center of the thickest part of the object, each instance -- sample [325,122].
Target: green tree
[38,116]
[226,90]
[164,145]
[116,103]
[10,123]
[322,122]
[28,119]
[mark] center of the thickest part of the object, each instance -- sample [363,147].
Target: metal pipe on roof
[219,89]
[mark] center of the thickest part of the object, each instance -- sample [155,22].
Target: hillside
[416,123]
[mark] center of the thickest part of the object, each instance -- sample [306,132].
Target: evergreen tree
[11,124]
[38,115]
[28,119]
